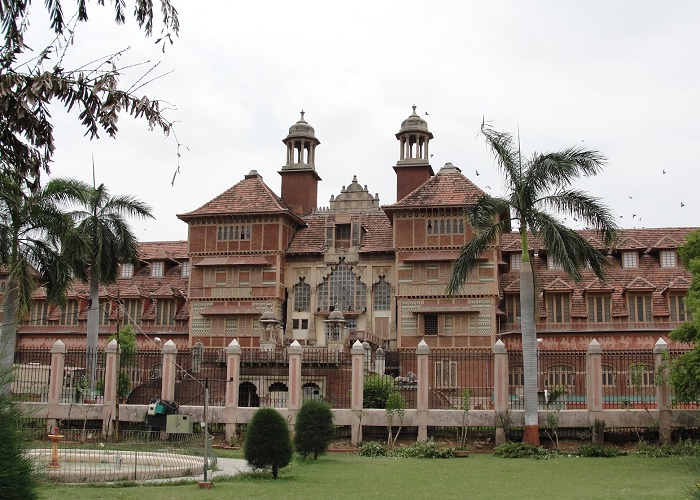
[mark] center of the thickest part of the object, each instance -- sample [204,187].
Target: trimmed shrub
[519,450]
[313,430]
[267,444]
[596,450]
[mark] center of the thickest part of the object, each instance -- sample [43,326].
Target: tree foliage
[685,370]
[267,443]
[17,476]
[32,226]
[535,187]
[313,428]
[29,85]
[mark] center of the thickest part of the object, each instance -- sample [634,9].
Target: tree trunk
[529,338]
[93,320]
[8,338]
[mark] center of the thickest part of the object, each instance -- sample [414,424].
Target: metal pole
[206,430]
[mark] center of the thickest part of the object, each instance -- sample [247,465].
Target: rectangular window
[515,261]
[105,310]
[639,307]
[598,308]
[629,259]
[609,377]
[157,269]
[431,324]
[668,258]
[165,312]
[185,269]
[40,313]
[132,312]
[127,270]
[516,376]
[513,308]
[558,308]
[69,313]
[342,235]
[677,307]
[552,263]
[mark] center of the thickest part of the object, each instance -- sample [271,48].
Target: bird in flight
[477,173]
[682,204]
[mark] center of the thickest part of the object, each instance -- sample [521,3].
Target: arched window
[382,295]
[310,391]
[342,288]
[302,296]
[278,395]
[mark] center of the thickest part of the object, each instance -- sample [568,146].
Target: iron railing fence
[628,379]
[460,379]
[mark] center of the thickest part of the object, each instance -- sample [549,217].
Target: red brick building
[250,251]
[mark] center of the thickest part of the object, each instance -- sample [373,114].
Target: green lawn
[479,476]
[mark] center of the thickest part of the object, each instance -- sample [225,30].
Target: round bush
[376,390]
[313,429]
[267,444]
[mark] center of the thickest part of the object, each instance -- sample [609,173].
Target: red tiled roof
[378,236]
[448,188]
[163,250]
[250,196]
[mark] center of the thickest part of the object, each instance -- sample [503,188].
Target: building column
[663,390]
[110,391]
[594,391]
[58,363]
[233,380]
[357,354]
[167,391]
[500,389]
[423,389]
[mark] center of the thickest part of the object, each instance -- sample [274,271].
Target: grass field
[479,476]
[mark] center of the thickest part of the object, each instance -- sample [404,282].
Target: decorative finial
[414,109]
[302,115]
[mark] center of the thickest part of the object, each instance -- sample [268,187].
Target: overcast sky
[619,77]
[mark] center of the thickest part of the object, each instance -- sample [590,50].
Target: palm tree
[534,186]
[102,240]
[31,229]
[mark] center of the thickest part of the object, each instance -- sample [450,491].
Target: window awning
[221,309]
[234,260]
[448,308]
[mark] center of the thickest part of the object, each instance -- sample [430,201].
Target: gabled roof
[639,283]
[558,285]
[250,196]
[666,242]
[448,188]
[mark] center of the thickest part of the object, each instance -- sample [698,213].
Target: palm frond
[505,151]
[470,253]
[589,210]
[482,214]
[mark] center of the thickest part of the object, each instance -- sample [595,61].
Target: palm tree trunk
[531,433]
[8,338]
[93,320]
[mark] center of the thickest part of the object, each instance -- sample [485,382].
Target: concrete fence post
[294,354]
[423,389]
[167,391]
[58,363]
[500,389]
[594,391]
[233,377]
[663,390]
[109,409]
[357,355]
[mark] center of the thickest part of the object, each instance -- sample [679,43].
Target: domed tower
[299,177]
[413,167]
